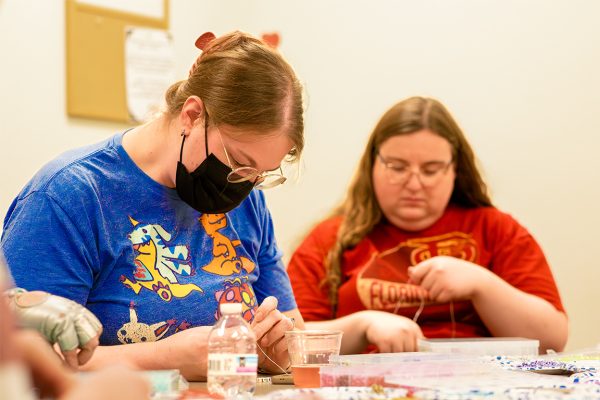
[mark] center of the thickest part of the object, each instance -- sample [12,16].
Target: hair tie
[201,43]
[271,39]
[204,40]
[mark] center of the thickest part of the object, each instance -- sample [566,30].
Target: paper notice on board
[149,70]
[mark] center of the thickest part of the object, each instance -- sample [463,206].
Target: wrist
[364,322]
[485,283]
[186,351]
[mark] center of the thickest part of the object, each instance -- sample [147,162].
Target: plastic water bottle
[232,358]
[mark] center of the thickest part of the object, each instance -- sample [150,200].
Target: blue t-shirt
[93,227]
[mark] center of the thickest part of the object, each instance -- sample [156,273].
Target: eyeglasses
[262,180]
[429,174]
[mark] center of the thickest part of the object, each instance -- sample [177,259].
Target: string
[422,306]
[270,359]
[402,298]
[452,319]
[419,310]
[403,292]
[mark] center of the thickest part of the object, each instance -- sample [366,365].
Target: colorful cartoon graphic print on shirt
[226,261]
[157,263]
[139,332]
[238,291]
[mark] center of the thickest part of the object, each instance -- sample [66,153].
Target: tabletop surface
[261,388]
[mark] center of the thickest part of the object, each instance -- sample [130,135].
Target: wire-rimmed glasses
[429,174]
[261,180]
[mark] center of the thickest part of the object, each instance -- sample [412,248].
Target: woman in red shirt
[417,248]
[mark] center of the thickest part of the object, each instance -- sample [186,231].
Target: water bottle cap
[231,308]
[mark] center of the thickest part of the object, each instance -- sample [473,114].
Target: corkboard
[95,64]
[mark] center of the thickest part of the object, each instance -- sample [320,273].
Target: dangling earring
[183,132]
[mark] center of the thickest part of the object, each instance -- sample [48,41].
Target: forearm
[185,351]
[144,356]
[354,327]
[508,311]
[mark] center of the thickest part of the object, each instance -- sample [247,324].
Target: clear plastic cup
[310,350]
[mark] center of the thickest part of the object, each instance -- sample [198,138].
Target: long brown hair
[360,209]
[244,83]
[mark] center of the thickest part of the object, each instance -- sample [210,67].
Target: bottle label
[228,364]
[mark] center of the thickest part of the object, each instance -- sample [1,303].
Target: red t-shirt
[484,236]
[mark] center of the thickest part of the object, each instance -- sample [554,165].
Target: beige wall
[520,77]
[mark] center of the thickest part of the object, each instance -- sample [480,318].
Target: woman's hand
[73,327]
[187,351]
[449,278]
[270,326]
[391,333]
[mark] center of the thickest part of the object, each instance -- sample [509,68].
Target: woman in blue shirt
[155,227]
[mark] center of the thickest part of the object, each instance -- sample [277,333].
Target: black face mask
[206,189]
